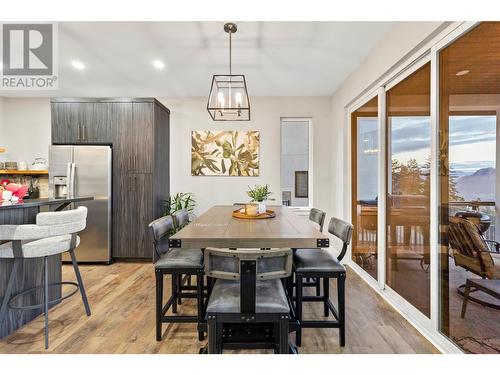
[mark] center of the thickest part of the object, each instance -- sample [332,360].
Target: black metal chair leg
[174,293]
[317,281]
[341,301]
[212,334]
[283,334]
[159,303]
[326,295]
[298,304]
[80,282]
[179,289]
[200,303]
[46,300]
[4,309]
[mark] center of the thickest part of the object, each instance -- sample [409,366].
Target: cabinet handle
[79,132]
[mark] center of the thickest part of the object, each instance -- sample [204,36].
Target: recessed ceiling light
[158,64]
[462,72]
[78,65]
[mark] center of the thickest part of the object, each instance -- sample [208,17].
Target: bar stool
[54,233]
[175,262]
[320,263]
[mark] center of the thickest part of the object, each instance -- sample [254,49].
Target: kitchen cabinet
[80,123]
[134,213]
[138,132]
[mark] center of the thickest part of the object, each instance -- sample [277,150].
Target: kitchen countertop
[6,205]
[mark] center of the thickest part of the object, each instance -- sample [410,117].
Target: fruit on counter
[4,182]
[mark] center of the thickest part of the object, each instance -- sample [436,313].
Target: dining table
[218,228]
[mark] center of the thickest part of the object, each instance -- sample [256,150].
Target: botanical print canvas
[225,153]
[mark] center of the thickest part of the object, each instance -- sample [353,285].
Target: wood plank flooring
[122,298]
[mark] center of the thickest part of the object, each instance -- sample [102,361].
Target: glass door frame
[429,52]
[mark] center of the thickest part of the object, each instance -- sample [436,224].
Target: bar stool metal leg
[341,300]
[46,299]
[174,293]
[298,303]
[159,303]
[326,295]
[80,282]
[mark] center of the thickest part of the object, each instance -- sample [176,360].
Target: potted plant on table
[260,194]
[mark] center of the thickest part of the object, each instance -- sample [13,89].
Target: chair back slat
[161,229]
[342,230]
[181,218]
[48,224]
[318,217]
[226,263]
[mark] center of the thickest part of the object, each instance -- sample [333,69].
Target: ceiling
[278,58]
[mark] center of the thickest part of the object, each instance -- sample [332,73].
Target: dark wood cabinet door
[135,140]
[134,212]
[82,123]
[96,120]
[65,127]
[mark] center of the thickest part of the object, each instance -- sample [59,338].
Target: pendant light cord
[230,47]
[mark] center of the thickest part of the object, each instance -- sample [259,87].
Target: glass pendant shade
[228,99]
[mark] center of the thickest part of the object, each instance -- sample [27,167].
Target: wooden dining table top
[217,228]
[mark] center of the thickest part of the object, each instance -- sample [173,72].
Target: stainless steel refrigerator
[77,171]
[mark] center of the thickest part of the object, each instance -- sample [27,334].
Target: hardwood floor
[122,298]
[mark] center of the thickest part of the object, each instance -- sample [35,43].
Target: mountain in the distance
[479,185]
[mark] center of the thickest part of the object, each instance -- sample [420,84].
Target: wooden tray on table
[242,215]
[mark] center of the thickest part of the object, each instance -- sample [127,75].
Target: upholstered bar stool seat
[316,260]
[270,297]
[44,247]
[180,258]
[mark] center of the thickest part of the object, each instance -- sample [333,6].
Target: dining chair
[321,264]
[247,291]
[54,233]
[316,216]
[175,262]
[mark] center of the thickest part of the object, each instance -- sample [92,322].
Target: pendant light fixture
[228,98]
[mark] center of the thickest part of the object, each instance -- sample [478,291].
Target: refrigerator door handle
[68,179]
[73,176]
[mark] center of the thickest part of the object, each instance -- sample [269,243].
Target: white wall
[25,128]
[397,43]
[190,114]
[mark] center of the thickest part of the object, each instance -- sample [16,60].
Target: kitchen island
[30,274]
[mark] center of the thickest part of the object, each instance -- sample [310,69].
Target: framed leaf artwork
[225,153]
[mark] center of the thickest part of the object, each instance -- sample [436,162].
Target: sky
[472,141]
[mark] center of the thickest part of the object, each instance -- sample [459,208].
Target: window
[295,162]
[365,154]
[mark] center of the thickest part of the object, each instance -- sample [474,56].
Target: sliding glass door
[469,108]
[408,189]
